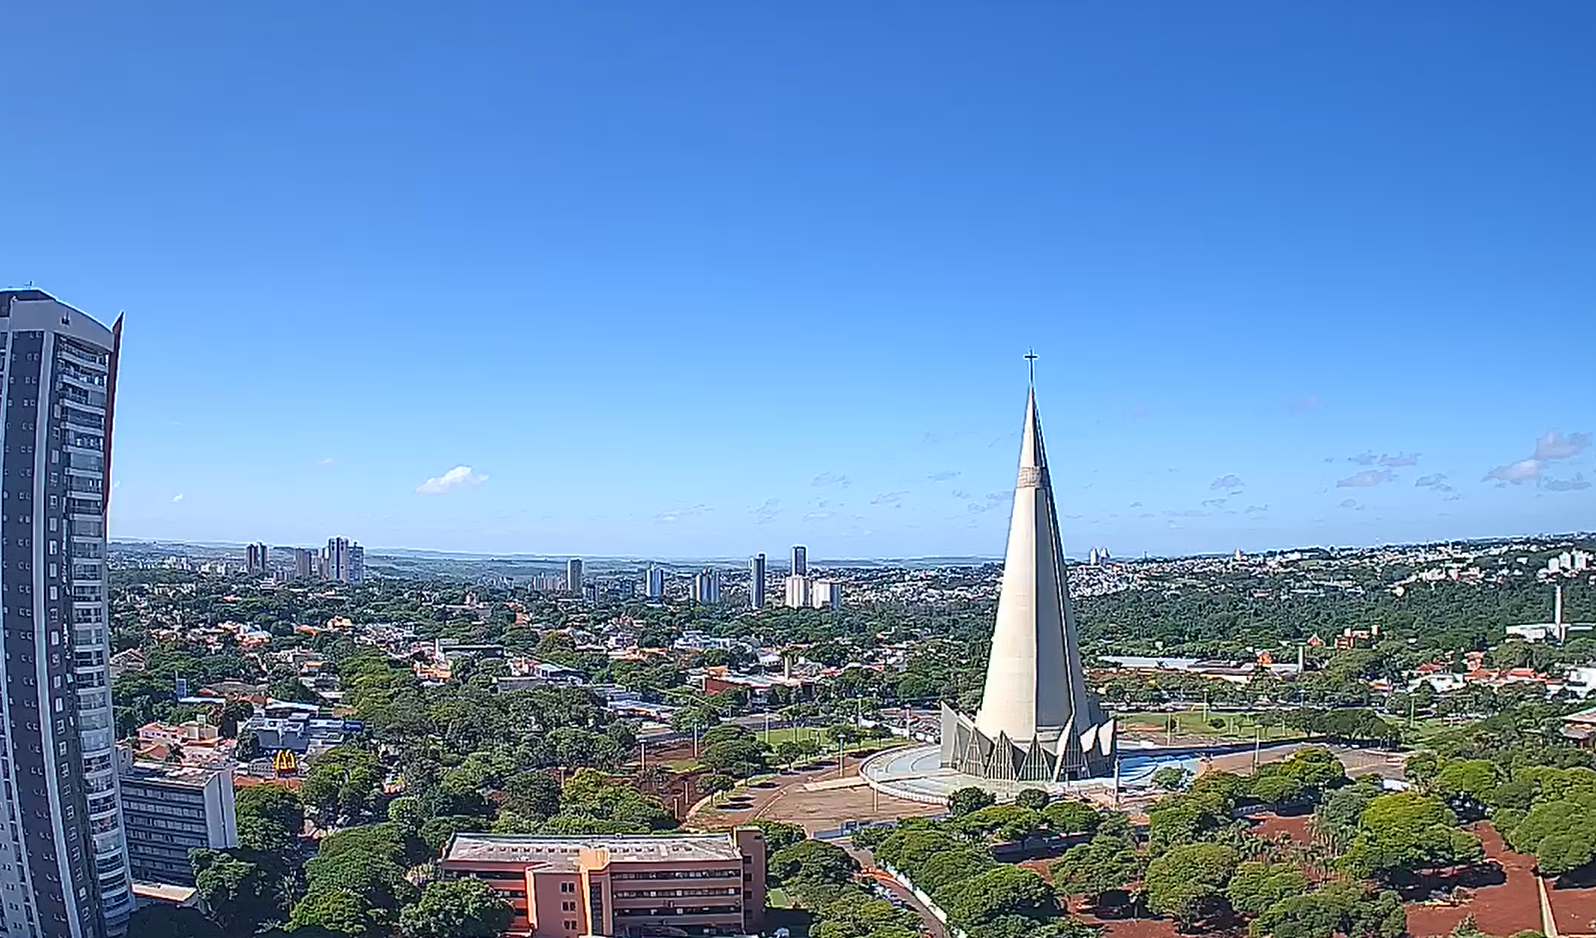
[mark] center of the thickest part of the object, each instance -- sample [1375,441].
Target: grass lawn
[1233,724]
[799,733]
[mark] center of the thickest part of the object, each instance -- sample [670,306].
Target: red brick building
[621,885]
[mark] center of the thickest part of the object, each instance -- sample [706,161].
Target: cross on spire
[1030,360]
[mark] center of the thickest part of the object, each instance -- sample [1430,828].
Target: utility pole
[1257,745]
[695,739]
[767,727]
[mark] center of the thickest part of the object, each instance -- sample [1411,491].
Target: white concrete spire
[1037,720]
[1035,686]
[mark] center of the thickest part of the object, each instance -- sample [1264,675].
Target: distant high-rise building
[825,594]
[343,561]
[706,587]
[63,854]
[305,563]
[797,591]
[255,558]
[654,582]
[590,592]
[800,561]
[756,582]
[573,577]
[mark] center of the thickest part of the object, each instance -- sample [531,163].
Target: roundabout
[915,774]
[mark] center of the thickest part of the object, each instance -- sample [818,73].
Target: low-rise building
[168,811]
[622,885]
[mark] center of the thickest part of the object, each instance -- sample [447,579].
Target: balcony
[72,353]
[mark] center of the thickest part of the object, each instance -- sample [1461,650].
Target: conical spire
[1035,686]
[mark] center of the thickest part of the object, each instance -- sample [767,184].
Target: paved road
[930,923]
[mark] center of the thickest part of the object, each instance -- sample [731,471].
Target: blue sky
[705,279]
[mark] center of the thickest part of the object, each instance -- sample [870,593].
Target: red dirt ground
[1504,909]
[1574,910]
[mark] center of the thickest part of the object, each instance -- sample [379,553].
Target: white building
[63,863]
[797,591]
[654,582]
[706,587]
[170,810]
[825,594]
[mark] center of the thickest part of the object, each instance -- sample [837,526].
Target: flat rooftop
[560,852]
[194,775]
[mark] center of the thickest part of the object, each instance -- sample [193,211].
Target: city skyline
[1299,279]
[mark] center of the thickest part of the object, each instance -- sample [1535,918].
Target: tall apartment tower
[756,582]
[654,583]
[343,561]
[706,587]
[255,558]
[63,862]
[304,563]
[800,561]
[573,577]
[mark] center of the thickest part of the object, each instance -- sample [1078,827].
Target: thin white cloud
[1399,460]
[1368,479]
[177,498]
[959,493]
[1565,485]
[1305,405]
[1516,473]
[889,498]
[829,478]
[946,475]
[325,462]
[1351,504]
[1553,445]
[454,478]
[1257,509]
[1365,458]
[1228,482]
[820,516]
[677,514]
[1429,481]
[766,513]
[1213,503]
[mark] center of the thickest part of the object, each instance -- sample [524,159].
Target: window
[568,887]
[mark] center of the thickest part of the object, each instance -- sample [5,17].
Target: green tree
[532,794]
[341,911]
[814,862]
[965,800]
[457,908]
[270,818]
[243,889]
[779,834]
[1106,863]
[1171,777]
[1188,881]
[342,782]
[159,920]
[1001,891]
[1405,832]
[789,751]
[1034,798]
[1256,886]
